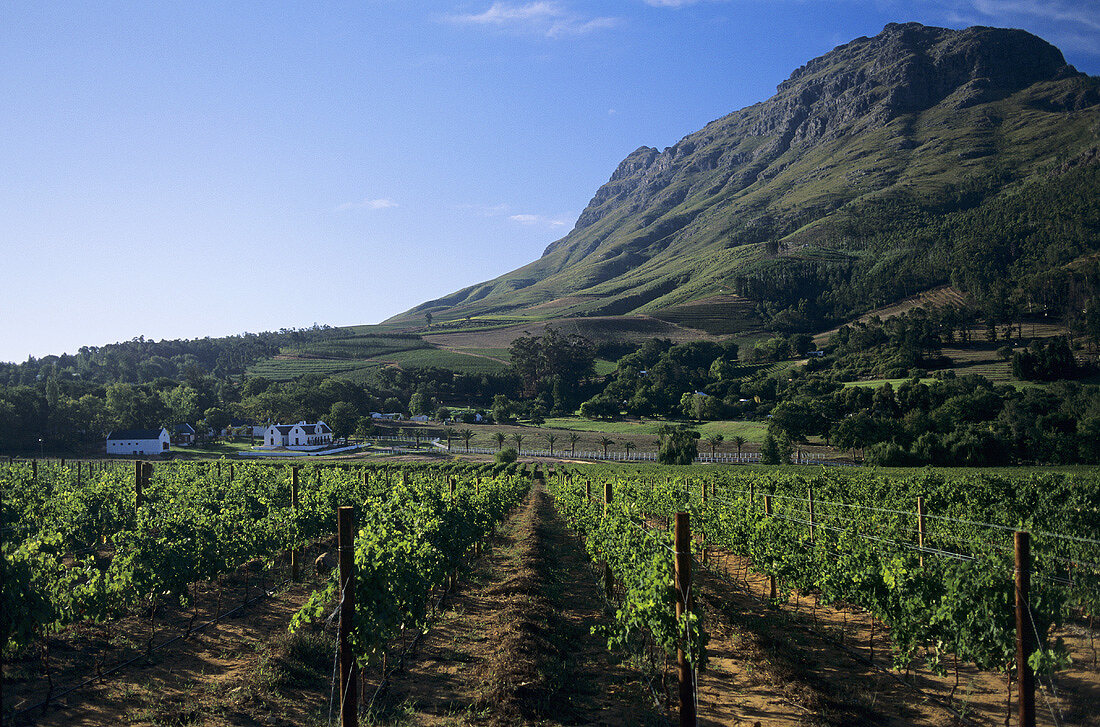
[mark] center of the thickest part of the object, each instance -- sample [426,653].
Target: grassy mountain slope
[888,166]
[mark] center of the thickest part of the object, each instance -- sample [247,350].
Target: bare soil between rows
[515,644]
[798,662]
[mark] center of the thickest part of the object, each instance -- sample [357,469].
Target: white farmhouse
[298,436]
[139,441]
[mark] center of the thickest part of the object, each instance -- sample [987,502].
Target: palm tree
[518,439]
[499,438]
[628,445]
[450,435]
[739,441]
[714,440]
[467,435]
[550,439]
[605,443]
[573,439]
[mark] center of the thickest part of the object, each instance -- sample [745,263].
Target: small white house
[139,441]
[298,436]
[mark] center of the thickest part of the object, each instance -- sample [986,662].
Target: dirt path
[514,646]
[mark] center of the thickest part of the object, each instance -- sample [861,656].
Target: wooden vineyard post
[294,566]
[477,494]
[810,501]
[588,490]
[702,535]
[752,494]
[138,472]
[451,486]
[683,604]
[920,528]
[768,512]
[608,578]
[1025,635]
[34,470]
[345,519]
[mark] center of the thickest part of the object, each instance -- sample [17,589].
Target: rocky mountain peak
[857,87]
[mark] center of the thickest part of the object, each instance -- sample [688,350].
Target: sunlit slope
[878,168]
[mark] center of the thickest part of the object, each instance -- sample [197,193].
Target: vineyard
[844,597]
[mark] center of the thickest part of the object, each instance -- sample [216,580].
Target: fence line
[457,446]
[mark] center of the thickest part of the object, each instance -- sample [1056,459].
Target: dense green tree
[342,419]
[677,444]
[216,419]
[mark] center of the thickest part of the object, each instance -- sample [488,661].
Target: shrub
[507,455]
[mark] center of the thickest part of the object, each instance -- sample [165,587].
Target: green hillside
[890,165]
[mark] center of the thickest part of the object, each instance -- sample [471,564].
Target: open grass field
[751,431]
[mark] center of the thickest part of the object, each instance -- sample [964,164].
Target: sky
[181,170]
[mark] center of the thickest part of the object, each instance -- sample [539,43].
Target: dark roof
[135,434]
[315,428]
[183,429]
[284,428]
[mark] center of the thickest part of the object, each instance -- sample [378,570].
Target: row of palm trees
[551,439]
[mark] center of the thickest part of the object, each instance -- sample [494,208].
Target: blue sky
[177,170]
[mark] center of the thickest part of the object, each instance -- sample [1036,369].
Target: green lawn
[879,382]
[605,367]
[588,425]
[751,431]
[220,449]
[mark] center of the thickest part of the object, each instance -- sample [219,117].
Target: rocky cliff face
[905,114]
[859,86]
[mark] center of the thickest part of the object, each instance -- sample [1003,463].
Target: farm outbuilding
[139,441]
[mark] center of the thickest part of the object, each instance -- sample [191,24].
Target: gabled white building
[139,441]
[298,436]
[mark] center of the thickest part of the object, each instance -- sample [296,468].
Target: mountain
[890,165]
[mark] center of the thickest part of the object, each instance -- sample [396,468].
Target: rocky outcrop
[862,85]
[913,110]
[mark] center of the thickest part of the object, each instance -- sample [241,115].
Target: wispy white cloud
[367,204]
[1067,24]
[529,219]
[506,210]
[1084,14]
[545,17]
